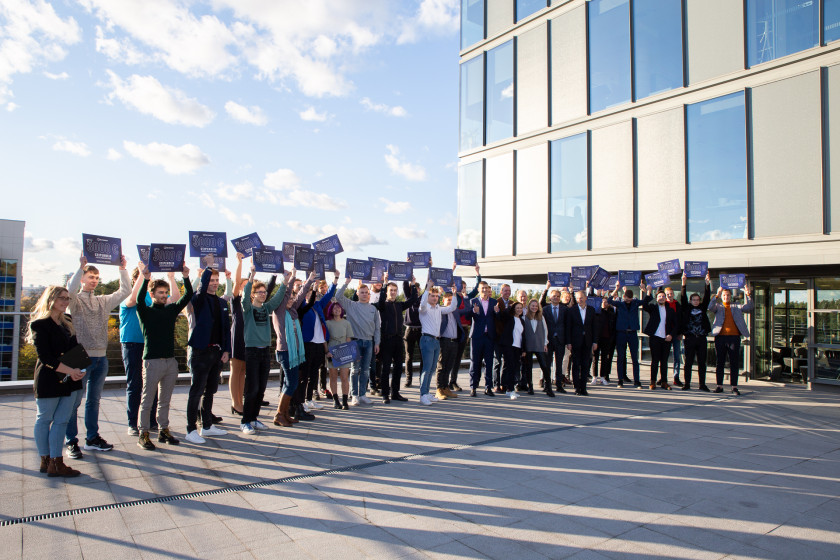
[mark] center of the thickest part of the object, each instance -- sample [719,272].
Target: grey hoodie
[90,312]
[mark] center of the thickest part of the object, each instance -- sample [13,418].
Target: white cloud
[148,96]
[69,245]
[62,76]
[11,106]
[282,179]
[310,114]
[433,16]
[122,51]
[31,34]
[410,171]
[282,188]
[352,239]
[248,115]
[238,219]
[396,111]
[35,245]
[301,197]
[114,155]
[241,191]
[176,160]
[445,244]
[392,207]
[75,148]
[206,200]
[410,233]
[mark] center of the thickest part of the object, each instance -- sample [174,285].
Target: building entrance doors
[781,331]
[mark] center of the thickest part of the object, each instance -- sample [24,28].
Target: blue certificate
[421,259]
[630,277]
[465,257]
[218,264]
[268,260]
[99,249]
[671,268]
[289,251]
[357,269]
[143,252]
[733,281]
[304,258]
[577,284]
[247,243]
[344,354]
[378,267]
[600,279]
[165,257]
[657,279]
[325,260]
[458,281]
[330,244]
[441,276]
[208,243]
[319,270]
[594,301]
[612,282]
[584,272]
[696,269]
[559,279]
[400,271]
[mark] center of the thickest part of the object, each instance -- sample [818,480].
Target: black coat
[685,311]
[506,322]
[556,329]
[578,333]
[672,324]
[51,341]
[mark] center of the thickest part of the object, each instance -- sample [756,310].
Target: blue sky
[146,119]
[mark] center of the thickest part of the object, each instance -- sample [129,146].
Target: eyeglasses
[63,298]
[261,292]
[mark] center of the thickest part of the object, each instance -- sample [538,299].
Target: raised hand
[186,271]
[239,257]
[82,261]
[123,262]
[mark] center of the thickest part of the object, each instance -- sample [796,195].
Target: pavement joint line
[330,472]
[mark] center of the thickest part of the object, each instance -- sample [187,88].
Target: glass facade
[717,169]
[777,28]
[569,193]
[657,46]
[500,94]
[525,8]
[609,53]
[472,103]
[8,290]
[472,22]
[831,20]
[470,205]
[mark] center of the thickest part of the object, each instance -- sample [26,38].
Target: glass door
[781,332]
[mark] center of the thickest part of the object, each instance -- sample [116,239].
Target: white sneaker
[432,397]
[306,406]
[213,431]
[258,425]
[132,431]
[314,405]
[193,437]
[425,401]
[605,382]
[247,429]
[354,401]
[365,400]
[514,395]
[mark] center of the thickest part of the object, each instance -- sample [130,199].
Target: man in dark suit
[482,338]
[554,313]
[580,340]
[662,328]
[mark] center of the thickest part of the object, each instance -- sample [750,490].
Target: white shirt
[517,333]
[582,313]
[430,316]
[318,335]
[660,331]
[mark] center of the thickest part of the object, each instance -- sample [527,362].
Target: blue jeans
[290,374]
[132,356]
[94,381]
[677,347]
[51,422]
[430,350]
[360,370]
[622,341]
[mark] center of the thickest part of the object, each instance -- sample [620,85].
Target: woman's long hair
[43,309]
[537,315]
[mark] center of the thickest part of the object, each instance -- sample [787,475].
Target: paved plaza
[620,474]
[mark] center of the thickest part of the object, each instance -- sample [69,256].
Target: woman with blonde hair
[56,385]
[340,331]
[535,342]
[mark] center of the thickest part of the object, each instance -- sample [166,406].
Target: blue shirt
[130,324]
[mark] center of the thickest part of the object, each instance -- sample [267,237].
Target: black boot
[344,402]
[301,414]
[337,404]
[407,380]
[395,396]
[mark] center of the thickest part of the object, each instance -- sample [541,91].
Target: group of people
[311,316]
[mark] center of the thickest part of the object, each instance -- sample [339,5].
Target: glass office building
[11,257]
[626,133]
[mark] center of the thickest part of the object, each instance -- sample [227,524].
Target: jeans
[677,348]
[132,356]
[728,346]
[481,350]
[94,381]
[308,371]
[289,376]
[622,341]
[51,422]
[360,370]
[205,365]
[257,366]
[430,350]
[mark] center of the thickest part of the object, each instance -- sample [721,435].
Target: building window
[831,20]
[470,205]
[472,103]
[569,193]
[525,8]
[500,92]
[717,169]
[472,22]
[609,53]
[777,28]
[657,46]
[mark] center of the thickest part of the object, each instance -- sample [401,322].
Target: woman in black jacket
[695,326]
[56,385]
[511,339]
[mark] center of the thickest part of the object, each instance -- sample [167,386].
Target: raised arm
[237,275]
[188,291]
[113,300]
[132,298]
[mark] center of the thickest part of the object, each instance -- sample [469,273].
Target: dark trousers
[257,366]
[205,365]
[411,340]
[456,365]
[581,362]
[323,376]
[728,346]
[315,356]
[623,340]
[556,351]
[391,357]
[510,366]
[660,349]
[498,363]
[448,356]
[527,368]
[604,355]
[132,355]
[695,348]
[481,357]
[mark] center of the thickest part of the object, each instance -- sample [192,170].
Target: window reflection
[472,103]
[500,92]
[472,22]
[657,46]
[717,169]
[777,28]
[469,206]
[609,53]
[831,20]
[569,193]
[525,8]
